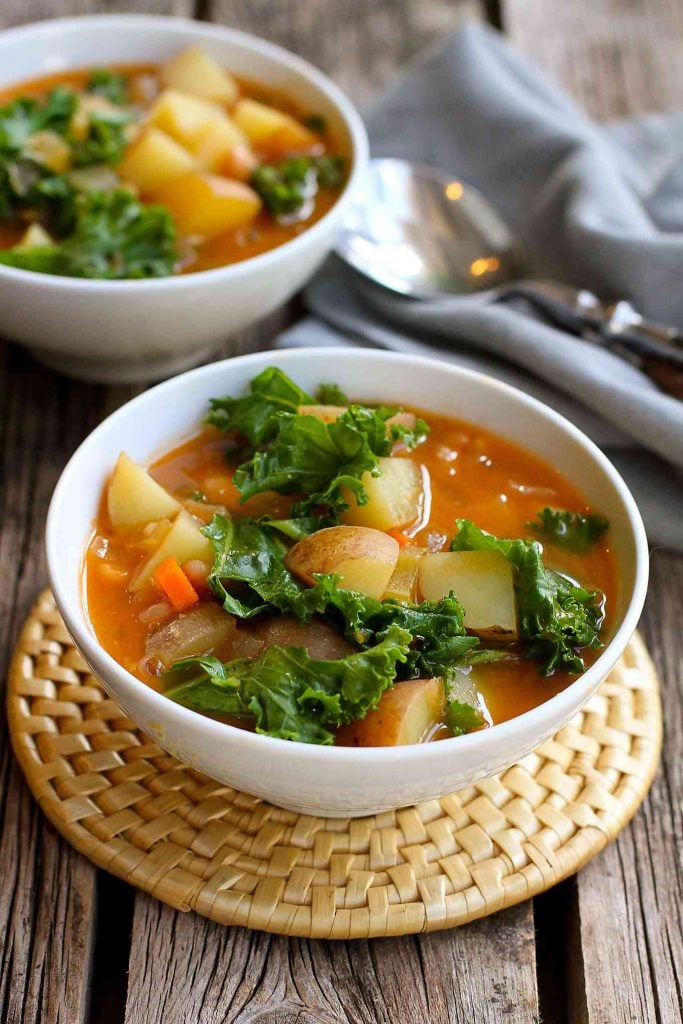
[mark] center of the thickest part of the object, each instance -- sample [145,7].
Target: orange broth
[264,234]
[473,474]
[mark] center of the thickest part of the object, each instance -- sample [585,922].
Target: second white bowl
[130,331]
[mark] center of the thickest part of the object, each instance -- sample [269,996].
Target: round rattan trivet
[199,845]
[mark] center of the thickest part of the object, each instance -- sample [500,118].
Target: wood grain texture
[235,976]
[619,58]
[630,899]
[19,12]
[360,43]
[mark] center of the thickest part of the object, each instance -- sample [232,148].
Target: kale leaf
[331,394]
[114,237]
[294,453]
[289,694]
[106,139]
[249,577]
[571,530]
[462,718]
[558,618]
[286,187]
[110,84]
[25,183]
[254,415]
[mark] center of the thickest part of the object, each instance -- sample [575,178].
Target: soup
[328,572]
[146,171]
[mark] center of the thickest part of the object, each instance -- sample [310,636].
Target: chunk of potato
[321,640]
[213,147]
[49,149]
[197,631]
[403,419]
[326,413]
[155,159]
[365,559]
[193,71]
[35,236]
[408,712]
[134,498]
[401,586]
[266,126]
[185,118]
[483,583]
[395,497]
[184,542]
[205,205]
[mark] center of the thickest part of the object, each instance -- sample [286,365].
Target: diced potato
[401,586]
[365,559]
[185,118]
[205,205]
[193,71]
[197,631]
[408,712]
[321,640]
[326,413]
[155,159]
[213,147]
[134,498]
[403,419]
[184,542]
[265,126]
[395,496]
[483,583]
[35,236]
[49,149]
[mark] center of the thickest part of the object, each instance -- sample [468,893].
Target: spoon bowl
[425,234]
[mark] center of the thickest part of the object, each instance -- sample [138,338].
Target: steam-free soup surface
[468,472]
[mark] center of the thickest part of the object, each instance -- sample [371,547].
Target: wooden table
[604,947]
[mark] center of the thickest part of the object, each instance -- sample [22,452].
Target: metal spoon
[425,234]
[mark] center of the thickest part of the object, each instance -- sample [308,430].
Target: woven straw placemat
[200,845]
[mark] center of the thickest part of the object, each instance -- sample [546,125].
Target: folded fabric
[600,207]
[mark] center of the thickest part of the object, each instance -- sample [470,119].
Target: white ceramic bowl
[124,331]
[338,780]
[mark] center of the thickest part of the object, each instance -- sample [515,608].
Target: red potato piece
[194,632]
[407,713]
[364,558]
[320,640]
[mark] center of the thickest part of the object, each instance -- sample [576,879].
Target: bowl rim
[556,709]
[233,271]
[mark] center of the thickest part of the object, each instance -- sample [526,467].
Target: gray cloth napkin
[600,207]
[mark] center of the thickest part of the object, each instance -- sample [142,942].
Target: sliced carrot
[170,578]
[400,537]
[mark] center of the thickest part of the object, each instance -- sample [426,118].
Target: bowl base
[102,371]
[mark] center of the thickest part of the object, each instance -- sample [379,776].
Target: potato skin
[406,713]
[364,558]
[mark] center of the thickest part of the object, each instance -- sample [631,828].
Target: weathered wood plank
[359,43]
[19,12]
[619,59]
[183,968]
